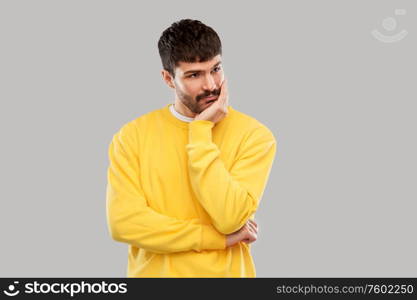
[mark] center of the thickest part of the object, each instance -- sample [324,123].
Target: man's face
[197,84]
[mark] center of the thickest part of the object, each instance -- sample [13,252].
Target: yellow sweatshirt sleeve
[131,220]
[229,198]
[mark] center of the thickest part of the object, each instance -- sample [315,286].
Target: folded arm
[230,198]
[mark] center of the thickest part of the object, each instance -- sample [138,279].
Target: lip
[210,98]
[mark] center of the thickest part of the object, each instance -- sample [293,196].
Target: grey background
[341,199]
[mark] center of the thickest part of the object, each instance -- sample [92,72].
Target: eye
[217,69]
[194,75]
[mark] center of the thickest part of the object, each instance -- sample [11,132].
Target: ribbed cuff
[212,239]
[200,131]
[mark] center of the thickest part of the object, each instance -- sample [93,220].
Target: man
[185,180]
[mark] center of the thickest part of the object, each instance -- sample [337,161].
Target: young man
[184,181]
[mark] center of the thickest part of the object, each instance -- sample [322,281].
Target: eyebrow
[196,71]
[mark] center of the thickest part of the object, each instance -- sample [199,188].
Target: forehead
[183,67]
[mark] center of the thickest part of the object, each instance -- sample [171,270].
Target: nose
[209,83]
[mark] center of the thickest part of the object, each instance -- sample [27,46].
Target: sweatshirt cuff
[200,131]
[212,239]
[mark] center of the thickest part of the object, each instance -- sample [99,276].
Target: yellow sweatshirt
[175,190]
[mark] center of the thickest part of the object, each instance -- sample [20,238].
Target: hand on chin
[218,109]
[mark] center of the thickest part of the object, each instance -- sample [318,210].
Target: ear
[168,79]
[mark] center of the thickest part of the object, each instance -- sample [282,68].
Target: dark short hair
[188,41]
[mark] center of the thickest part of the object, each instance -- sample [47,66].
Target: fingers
[223,88]
[252,230]
[224,94]
[252,227]
[249,232]
[251,236]
[254,224]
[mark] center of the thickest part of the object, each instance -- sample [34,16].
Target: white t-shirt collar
[178,115]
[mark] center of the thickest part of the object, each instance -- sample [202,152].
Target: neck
[182,109]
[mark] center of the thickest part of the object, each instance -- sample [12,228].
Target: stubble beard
[189,102]
[193,103]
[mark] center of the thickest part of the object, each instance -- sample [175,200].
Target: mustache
[208,94]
